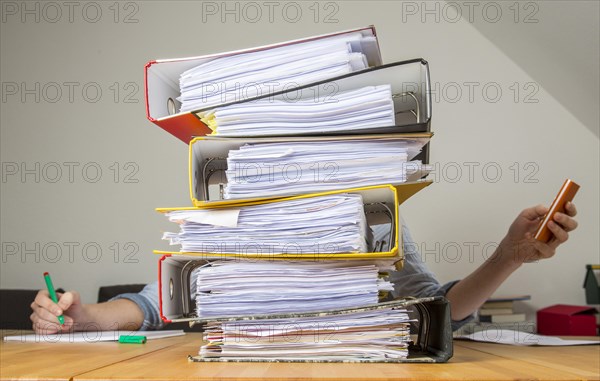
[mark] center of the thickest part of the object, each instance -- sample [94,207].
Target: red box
[565,320]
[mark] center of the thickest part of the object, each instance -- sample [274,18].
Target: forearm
[471,292]
[121,314]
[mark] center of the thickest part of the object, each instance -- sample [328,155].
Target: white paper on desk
[90,336]
[507,336]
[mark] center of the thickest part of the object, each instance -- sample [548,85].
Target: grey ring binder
[433,341]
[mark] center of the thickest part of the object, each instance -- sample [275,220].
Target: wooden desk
[61,361]
[467,364]
[166,359]
[583,361]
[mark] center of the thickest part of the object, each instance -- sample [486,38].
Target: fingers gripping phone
[565,194]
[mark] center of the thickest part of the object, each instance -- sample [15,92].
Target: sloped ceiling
[557,43]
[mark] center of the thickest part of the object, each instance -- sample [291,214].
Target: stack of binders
[300,154]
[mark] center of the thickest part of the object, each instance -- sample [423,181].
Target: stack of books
[297,152]
[501,312]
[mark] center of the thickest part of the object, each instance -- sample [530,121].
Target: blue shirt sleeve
[147,300]
[416,280]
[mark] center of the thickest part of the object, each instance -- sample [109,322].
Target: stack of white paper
[243,76]
[314,225]
[278,169]
[242,288]
[372,335]
[356,110]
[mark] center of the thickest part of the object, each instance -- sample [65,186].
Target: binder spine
[160,293]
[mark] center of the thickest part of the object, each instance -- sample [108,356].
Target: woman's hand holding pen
[45,312]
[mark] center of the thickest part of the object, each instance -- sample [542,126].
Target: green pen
[124,339]
[52,293]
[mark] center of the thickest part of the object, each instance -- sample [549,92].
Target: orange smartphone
[567,193]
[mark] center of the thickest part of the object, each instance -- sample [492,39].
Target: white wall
[545,141]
